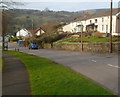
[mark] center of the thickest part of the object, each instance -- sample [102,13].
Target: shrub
[50,38]
[15,39]
[97,34]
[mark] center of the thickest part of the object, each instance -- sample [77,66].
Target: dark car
[33,46]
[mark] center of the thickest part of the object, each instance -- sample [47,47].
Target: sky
[71,5]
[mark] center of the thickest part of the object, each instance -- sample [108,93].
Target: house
[23,33]
[99,22]
[37,32]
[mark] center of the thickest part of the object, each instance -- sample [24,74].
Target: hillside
[30,19]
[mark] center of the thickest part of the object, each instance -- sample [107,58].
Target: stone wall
[87,47]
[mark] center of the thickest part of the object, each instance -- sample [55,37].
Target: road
[101,68]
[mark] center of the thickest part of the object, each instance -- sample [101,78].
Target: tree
[5,18]
[46,10]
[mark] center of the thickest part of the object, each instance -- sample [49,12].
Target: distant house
[60,29]
[37,31]
[97,22]
[23,33]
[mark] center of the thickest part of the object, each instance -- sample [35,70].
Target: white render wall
[100,23]
[23,33]
[70,27]
[103,26]
[40,32]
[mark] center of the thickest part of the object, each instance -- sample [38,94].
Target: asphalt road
[101,68]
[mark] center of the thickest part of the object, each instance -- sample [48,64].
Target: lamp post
[110,50]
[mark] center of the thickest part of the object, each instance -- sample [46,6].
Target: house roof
[23,32]
[35,30]
[115,11]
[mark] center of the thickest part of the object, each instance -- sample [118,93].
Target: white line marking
[113,66]
[109,65]
[94,61]
[31,53]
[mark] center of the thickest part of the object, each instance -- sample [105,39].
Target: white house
[23,33]
[39,31]
[97,22]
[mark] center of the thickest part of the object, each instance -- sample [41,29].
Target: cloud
[67,0]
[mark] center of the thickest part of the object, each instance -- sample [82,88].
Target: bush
[45,38]
[14,39]
[97,35]
[50,38]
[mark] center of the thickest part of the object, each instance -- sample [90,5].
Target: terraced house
[99,22]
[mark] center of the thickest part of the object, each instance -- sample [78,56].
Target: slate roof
[115,11]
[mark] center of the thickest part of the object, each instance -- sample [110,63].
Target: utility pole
[81,39]
[81,35]
[32,25]
[111,27]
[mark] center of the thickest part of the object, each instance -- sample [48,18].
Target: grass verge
[50,78]
[90,39]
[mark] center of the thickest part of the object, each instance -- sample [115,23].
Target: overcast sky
[72,5]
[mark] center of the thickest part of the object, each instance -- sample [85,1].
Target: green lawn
[50,78]
[0,64]
[85,39]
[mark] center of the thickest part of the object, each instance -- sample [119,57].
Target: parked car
[33,46]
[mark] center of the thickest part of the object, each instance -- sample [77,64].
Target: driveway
[101,68]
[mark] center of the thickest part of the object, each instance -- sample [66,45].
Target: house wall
[118,24]
[40,32]
[69,28]
[23,33]
[102,22]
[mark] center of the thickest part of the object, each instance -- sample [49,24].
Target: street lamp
[111,26]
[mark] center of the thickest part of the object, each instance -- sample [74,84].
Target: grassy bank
[50,78]
[1,64]
[90,39]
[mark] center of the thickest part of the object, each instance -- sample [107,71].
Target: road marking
[94,61]
[109,65]
[113,66]
[31,53]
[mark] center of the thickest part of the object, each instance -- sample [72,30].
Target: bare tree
[5,5]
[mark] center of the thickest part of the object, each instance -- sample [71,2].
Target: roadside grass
[1,65]
[85,39]
[50,78]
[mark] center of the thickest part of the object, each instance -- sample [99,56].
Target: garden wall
[87,47]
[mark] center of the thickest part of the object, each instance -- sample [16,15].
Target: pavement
[101,68]
[15,78]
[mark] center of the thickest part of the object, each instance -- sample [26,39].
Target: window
[106,28]
[90,21]
[118,17]
[96,27]
[102,19]
[102,27]
[95,20]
